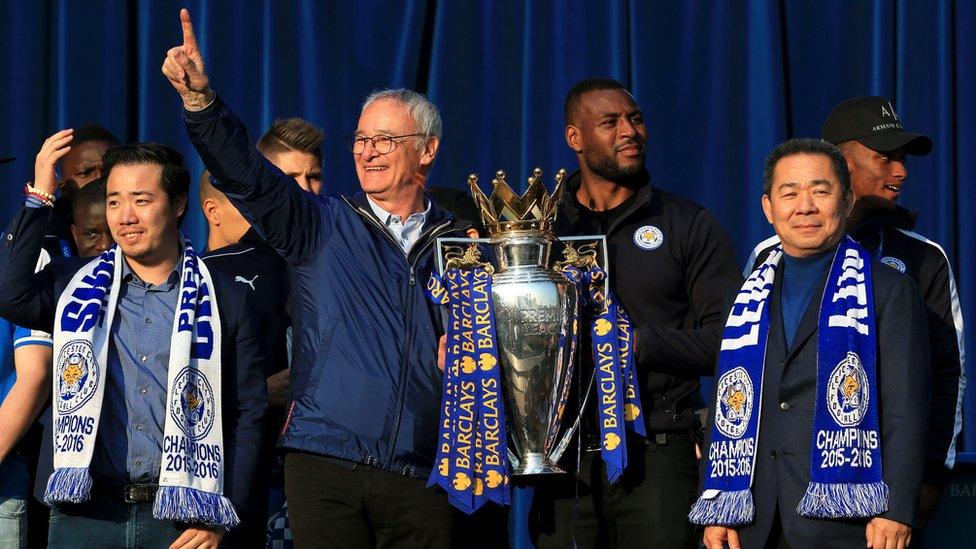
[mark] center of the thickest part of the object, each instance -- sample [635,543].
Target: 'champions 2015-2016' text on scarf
[191,475]
[845,461]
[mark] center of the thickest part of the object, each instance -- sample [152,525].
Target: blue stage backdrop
[720,83]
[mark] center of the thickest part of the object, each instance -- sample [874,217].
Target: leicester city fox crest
[77,374]
[735,399]
[648,237]
[193,403]
[894,263]
[847,391]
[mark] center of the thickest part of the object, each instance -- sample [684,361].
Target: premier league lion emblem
[192,404]
[847,391]
[77,374]
[735,400]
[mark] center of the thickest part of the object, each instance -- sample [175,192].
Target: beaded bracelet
[38,197]
[31,190]
[39,202]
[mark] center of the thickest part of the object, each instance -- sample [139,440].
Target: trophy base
[536,464]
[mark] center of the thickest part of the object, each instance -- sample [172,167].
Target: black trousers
[647,507]
[341,504]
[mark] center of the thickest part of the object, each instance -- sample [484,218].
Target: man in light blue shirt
[406,233]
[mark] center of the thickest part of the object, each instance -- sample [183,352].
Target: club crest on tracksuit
[648,237]
[894,263]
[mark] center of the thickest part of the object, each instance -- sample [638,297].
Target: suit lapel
[776,342]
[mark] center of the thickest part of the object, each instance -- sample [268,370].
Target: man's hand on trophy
[442,352]
[184,68]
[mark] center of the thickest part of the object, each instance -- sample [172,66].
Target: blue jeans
[108,522]
[15,486]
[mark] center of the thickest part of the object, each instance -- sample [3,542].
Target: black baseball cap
[872,121]
[5,159]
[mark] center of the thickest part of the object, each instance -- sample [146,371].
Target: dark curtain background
[720,83]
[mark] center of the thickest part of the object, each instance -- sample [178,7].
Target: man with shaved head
[89,226]
[81,165]
[671,268]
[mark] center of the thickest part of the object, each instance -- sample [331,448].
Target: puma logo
[250,283]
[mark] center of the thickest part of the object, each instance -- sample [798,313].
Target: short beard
[608,168]
[135,254]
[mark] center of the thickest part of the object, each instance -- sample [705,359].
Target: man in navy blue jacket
[362,420]
[147,195]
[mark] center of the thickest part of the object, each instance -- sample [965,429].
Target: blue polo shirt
[7,373]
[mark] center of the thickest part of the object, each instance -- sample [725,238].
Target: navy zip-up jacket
[364,380]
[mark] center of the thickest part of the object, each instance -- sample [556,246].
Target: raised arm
[295,222]
[27,299]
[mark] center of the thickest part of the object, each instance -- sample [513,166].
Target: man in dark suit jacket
[806,197]
[146,198]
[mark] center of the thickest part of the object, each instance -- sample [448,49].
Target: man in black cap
[870,134]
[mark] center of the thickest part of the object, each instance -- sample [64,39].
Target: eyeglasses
[383,144]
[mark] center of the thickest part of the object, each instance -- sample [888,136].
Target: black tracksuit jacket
[674,293]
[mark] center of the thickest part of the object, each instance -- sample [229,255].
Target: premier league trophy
[536,314]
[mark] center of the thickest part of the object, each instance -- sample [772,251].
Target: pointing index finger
[189,38]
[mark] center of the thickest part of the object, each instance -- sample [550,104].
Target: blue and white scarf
[191,475]
[845,460]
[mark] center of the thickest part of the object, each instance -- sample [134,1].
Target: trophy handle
[560,448]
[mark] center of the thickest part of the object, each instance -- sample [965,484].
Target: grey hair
[424,113]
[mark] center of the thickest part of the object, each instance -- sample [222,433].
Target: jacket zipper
[426,238]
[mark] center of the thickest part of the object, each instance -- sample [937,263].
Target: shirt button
[774,454]
[148,320]
[143,358]
[10,237]
[143,390]
[784,406]
[139,427]
[137,463]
